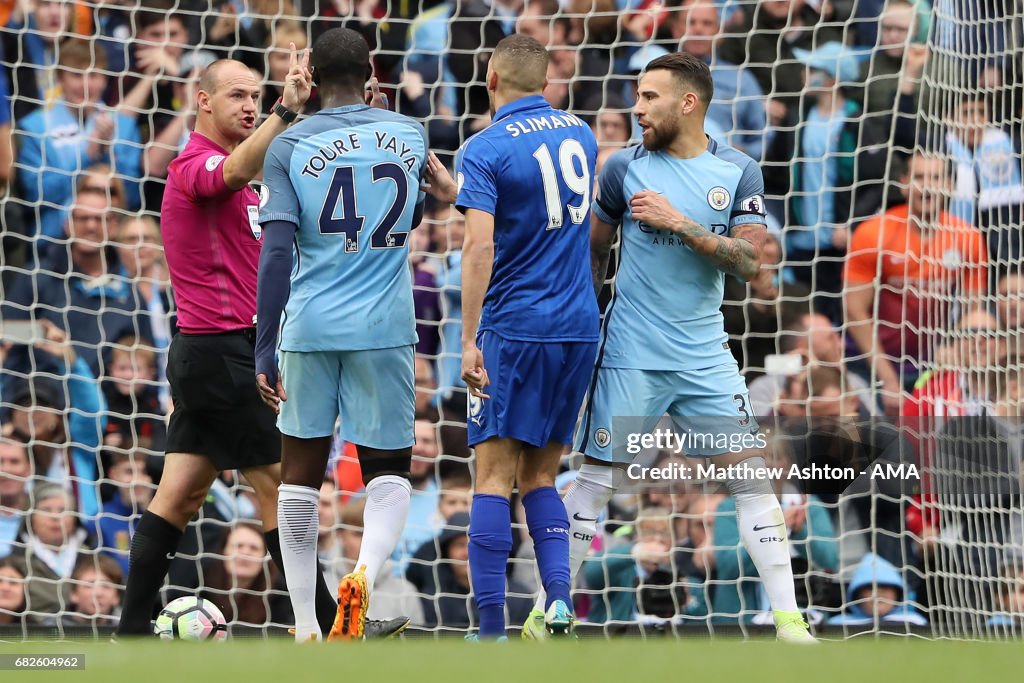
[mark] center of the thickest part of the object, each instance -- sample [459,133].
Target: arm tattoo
[739,255]
[599,268]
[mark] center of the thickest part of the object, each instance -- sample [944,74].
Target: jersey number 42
[570,152]
[342,195]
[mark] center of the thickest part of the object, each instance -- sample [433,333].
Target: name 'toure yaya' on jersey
[386,142]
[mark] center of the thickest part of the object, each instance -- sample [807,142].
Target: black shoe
[380,629]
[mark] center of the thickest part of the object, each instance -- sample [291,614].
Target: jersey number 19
[569,153]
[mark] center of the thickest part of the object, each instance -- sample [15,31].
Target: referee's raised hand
[299,82]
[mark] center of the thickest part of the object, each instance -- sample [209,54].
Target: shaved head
[212,77]
[521,63]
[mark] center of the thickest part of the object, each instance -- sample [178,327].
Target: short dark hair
[527,59]
[152,12]
[341,59]
[689,70]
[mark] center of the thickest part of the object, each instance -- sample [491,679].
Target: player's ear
[369,73]
[492,81]
[203,101]
[315,75]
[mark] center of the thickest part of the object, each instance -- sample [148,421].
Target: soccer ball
[191,618]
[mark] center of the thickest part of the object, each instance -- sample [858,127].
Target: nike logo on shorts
[577,517]
[767,526]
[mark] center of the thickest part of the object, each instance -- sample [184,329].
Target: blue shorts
[374,392]
[535,392]
[711,401]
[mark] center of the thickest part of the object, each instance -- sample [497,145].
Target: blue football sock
[549,528]
[490,542]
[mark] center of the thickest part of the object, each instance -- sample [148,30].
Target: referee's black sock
[153,546]
[326,604]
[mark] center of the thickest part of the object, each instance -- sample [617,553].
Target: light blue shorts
[710,405]
[374,391]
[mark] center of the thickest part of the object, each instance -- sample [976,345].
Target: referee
[212,240]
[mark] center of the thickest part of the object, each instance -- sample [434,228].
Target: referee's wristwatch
[286,114]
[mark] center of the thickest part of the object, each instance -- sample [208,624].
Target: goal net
[884,327]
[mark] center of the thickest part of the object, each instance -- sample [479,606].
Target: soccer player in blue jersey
[691,212]
[529,321]
[344,188]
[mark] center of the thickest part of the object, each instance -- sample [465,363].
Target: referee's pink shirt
[212,241]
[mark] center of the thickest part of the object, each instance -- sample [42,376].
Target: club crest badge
[718,198]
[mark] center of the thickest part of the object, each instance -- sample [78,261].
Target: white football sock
[764,534]
[298,520]
[387,507]
[584,501]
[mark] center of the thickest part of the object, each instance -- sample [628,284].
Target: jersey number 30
[342,195]
[570,152]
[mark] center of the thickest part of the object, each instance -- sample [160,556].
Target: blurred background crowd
[889,135]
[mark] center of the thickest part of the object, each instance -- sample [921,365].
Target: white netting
[922,328]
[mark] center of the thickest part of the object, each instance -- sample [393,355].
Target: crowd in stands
[889,135]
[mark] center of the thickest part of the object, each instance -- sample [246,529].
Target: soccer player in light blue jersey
[691,213]
[344,189]
[529,321]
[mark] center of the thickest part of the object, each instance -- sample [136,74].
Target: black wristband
[286,114]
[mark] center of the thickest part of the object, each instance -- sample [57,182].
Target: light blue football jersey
[666,310]
[349,177]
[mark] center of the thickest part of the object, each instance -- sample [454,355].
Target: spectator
[12,593]
[737,114]
[813,546]
[907,249]
[96,593]
[426,300]
[766,39]
[327,541]
[426,385]
[753,311]
[819,143]
[6,142]
[243,30]
[898,59]
[160,44]
[65,443]
[126,494]
[643,568]
[448,603]
[275,67]
[956,384]
[393,596]
[1009,598]
[73,132]
[1010,310]
[476,28]
[877,593]
[78,285]
[30,43]
[451,390]
[814,338]
[133,396]
[141,255]
[383,26]
[51,543]
[456,495]
[15,481]
[988,192]
[612,123]
[239,580]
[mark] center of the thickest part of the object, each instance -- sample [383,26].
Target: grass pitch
[452,661]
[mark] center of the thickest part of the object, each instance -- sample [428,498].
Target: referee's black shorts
[217,407]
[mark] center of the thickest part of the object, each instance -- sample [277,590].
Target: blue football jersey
[349,177]
[666,311]
[533,170]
